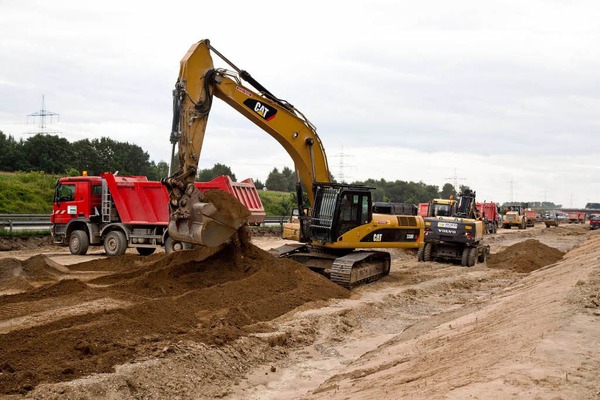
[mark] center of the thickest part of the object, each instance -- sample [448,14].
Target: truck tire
[464,261]
[145,251]
[421,254]
[428,247]
[172,245]
[494,227]
[115,243]
[79,242]
[523,224]
[506,226]
[472,257]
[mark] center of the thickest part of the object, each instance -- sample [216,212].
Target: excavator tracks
[348,271]
[360,267]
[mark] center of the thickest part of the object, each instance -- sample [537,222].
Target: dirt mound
[568,230]
[24,243]
[204,295]
[525,256]
[38,269]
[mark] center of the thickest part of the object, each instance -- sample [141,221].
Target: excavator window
[442,210]
[354,211]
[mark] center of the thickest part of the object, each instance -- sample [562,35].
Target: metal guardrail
[275,220]
[24,221]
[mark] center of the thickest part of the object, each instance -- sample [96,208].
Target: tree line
[55,155]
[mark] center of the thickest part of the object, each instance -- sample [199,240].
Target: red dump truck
[423,209]
[127,211]
[576,217]
[490,214]
[531,217]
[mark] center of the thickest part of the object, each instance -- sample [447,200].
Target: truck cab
[74,198]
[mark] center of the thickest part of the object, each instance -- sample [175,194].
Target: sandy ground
[427,331]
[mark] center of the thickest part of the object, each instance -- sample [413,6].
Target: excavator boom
[191,219]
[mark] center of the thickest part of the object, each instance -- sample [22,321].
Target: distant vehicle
[531,217]
[490,214]
[551,218]
[594,221]
[576,217]
[515,216]
[562,217]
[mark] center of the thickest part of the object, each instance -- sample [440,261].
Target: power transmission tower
[41,117]
[341,177]
[455,178]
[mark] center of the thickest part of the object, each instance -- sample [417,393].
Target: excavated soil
[135,305]
[526,256]
[235,323]
[26,242]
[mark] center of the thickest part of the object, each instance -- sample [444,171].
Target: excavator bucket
[207,219]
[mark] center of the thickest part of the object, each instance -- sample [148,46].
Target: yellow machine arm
[191,219]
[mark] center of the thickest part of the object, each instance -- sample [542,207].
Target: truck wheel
[465,257]
[506,226]
[175,245]
[483,256]
[427,251]
[472,257]
[79,242]
[145,251]
[494,228]
[421,254]
[115,243]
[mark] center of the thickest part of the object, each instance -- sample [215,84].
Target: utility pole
[41,117]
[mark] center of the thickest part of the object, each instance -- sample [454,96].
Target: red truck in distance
[576,217]
[128,211]
[490,214]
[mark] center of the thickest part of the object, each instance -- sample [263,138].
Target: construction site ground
[236,323]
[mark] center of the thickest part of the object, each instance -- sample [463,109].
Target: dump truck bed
[140,201]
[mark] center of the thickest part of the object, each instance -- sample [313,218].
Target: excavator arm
[191,219]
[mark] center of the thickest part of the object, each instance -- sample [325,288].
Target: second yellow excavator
[338,218]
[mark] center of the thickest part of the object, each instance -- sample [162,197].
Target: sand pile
[16,275]
[525,256]
[203,295]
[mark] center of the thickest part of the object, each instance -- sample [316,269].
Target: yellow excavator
[338,218]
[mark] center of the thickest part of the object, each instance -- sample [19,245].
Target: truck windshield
[65,193]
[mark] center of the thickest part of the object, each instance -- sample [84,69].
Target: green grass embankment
[26,192]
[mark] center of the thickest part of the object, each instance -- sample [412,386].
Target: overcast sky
[502,96]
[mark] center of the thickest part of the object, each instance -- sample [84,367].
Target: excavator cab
[337,209]
[465,207]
